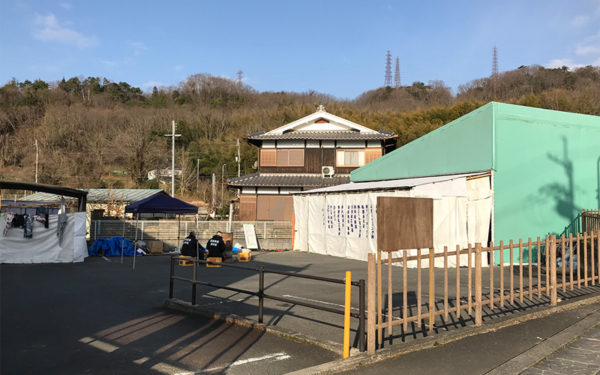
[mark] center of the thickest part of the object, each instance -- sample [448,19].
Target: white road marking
[104,346]
[275,356]
[173,370]
[106,259]
[168,369]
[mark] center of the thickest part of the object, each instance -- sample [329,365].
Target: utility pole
[197,174]
[173,135]
[36,160]
[238,159]
[222,183]
[214,198]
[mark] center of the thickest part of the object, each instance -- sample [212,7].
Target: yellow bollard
[347,315]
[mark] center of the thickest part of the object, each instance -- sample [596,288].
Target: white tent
[44,246]
[342,220]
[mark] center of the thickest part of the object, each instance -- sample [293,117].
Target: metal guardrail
[261,288]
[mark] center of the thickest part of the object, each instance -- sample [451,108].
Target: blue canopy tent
[159,203]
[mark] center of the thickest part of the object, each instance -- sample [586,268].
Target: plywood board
[404,223]
[247,207]
[274,207]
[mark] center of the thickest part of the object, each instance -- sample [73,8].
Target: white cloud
[587,50]
[559,63]
[66,6]
[138,47]
[108,63]
[48,29]
[178,67]
[597,62]
[580,21]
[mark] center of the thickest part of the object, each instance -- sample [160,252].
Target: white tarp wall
[345,224]
[44,246]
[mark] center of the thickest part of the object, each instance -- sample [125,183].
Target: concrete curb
[542,350]
[364,359]
[186,307]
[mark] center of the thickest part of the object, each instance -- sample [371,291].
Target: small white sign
[250,236]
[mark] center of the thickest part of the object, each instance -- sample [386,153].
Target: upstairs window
[282,158]
[268,157]
[350,158]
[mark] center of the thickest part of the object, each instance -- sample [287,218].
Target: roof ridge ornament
[321,108]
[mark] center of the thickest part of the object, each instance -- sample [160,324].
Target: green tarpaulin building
[545,165]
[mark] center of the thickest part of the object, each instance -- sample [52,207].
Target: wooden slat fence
[524,274]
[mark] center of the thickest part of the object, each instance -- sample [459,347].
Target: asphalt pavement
[101,317]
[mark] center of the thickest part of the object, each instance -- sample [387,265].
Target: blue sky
[333,47]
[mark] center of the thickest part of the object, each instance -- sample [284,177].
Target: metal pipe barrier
[261,288]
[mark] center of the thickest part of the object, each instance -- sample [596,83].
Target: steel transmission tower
[388,69]
[494,71]
[495,63]
[397,73]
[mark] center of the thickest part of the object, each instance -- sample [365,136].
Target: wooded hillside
[96,133]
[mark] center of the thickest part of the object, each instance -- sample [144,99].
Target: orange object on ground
[215,260]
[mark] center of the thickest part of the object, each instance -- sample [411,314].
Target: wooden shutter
[283,158]
[268,157]
[372,154]
[296,157]
[248,207]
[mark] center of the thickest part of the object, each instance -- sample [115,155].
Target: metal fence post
[171,278]
[371,294]
[478,304]
[361,315]
[261,289]
[194,278]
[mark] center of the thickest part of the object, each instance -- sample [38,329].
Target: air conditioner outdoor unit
[327,171]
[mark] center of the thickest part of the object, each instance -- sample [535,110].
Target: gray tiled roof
[323,135]
[288,180]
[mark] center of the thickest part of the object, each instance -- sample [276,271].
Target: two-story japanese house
[318,150]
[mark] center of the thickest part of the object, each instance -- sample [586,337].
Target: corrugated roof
[287,180]
[99,195]
[403,183]
[323,135]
